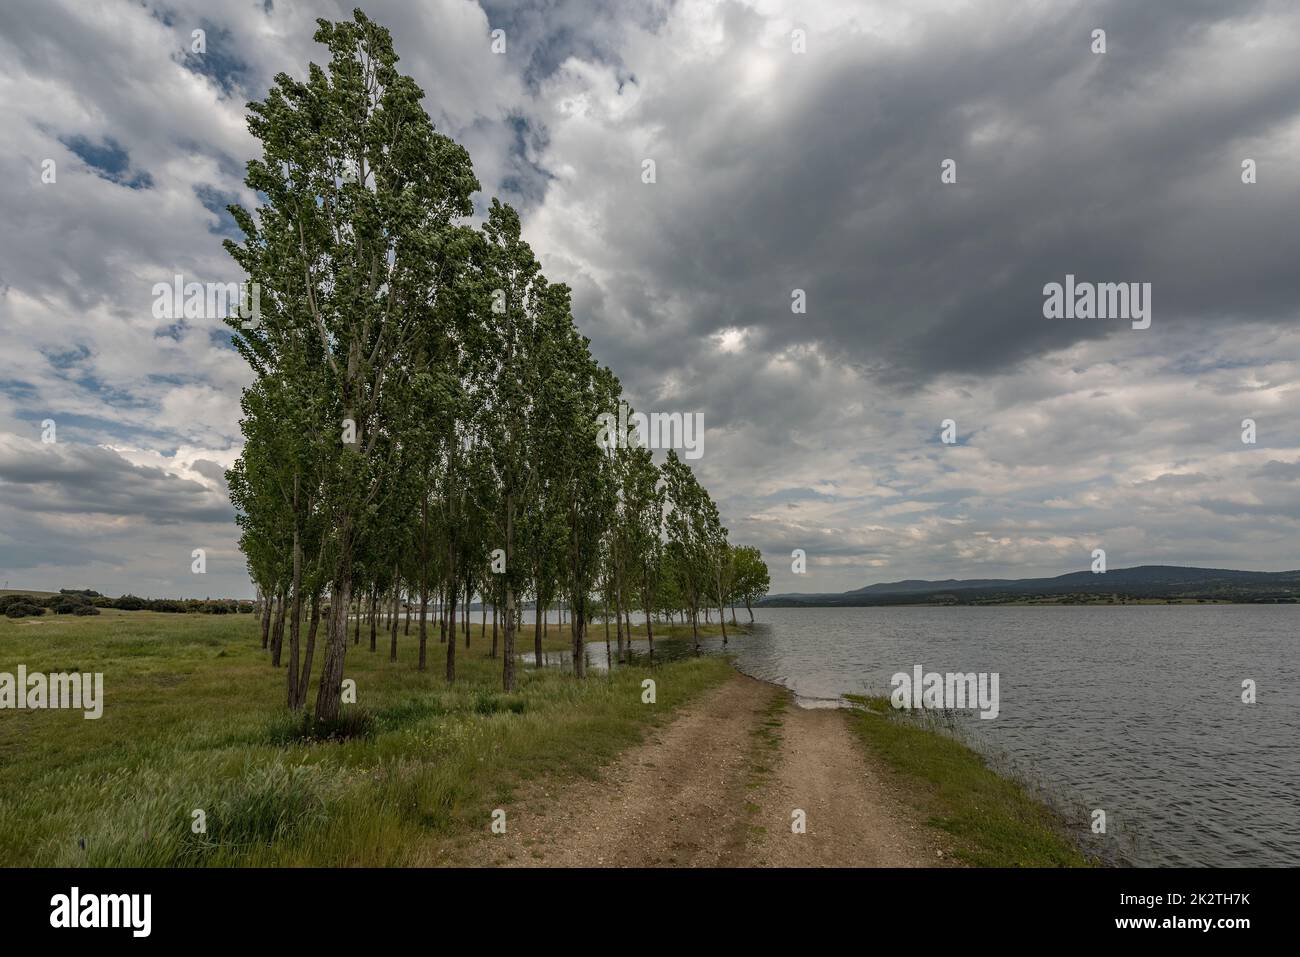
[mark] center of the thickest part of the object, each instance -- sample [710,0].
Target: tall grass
[992,819]
[194,721]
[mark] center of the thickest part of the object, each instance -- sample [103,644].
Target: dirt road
[720,786]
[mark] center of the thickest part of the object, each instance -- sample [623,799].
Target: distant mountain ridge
[1139,582]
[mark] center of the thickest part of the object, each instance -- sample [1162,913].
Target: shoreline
[947,779]
[993,814]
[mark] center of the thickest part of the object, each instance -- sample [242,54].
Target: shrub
[67,604]
[69,599]
[85,610]
[23,609]
[486,702]
[351,723]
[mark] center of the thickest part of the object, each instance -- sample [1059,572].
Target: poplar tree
[422,397]
[350,248]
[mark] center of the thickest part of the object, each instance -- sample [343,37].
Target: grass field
[194,720]
[994,821]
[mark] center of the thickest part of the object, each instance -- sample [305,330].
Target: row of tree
[423,420]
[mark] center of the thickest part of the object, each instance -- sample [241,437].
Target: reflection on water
[1133,709]
[598,659]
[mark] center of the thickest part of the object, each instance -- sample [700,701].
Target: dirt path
[716,788]
[853,815]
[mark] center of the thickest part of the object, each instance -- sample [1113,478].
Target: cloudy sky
[776,170]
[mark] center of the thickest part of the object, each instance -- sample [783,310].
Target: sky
[919,171]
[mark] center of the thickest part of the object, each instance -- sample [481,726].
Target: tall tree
[642,518]
[752,579]
[689,537]
[350,248]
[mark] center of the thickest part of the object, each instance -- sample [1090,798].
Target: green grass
[764,751]
[992,819]
[194,719]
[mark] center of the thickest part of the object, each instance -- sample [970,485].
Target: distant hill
[1149,582]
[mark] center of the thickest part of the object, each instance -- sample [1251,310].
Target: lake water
[1135,710]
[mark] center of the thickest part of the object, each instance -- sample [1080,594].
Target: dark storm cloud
[1123,166]
[28,543]
[69,479]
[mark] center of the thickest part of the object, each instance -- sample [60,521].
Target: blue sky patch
[109,159]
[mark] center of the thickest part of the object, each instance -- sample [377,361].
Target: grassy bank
[194,720]
[993,820]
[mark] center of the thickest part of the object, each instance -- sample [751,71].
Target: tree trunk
[424,625]
[277,639]
[295,617]
[336,646]
[451,613]
[508,643]
[266,621]
[374,618]
[469,600]
[508,650]
[494,625]
[722,620]
[619,616]
[539,632]
[305,676]
[397,604]
[424,579]
[578,622]
[649,628]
